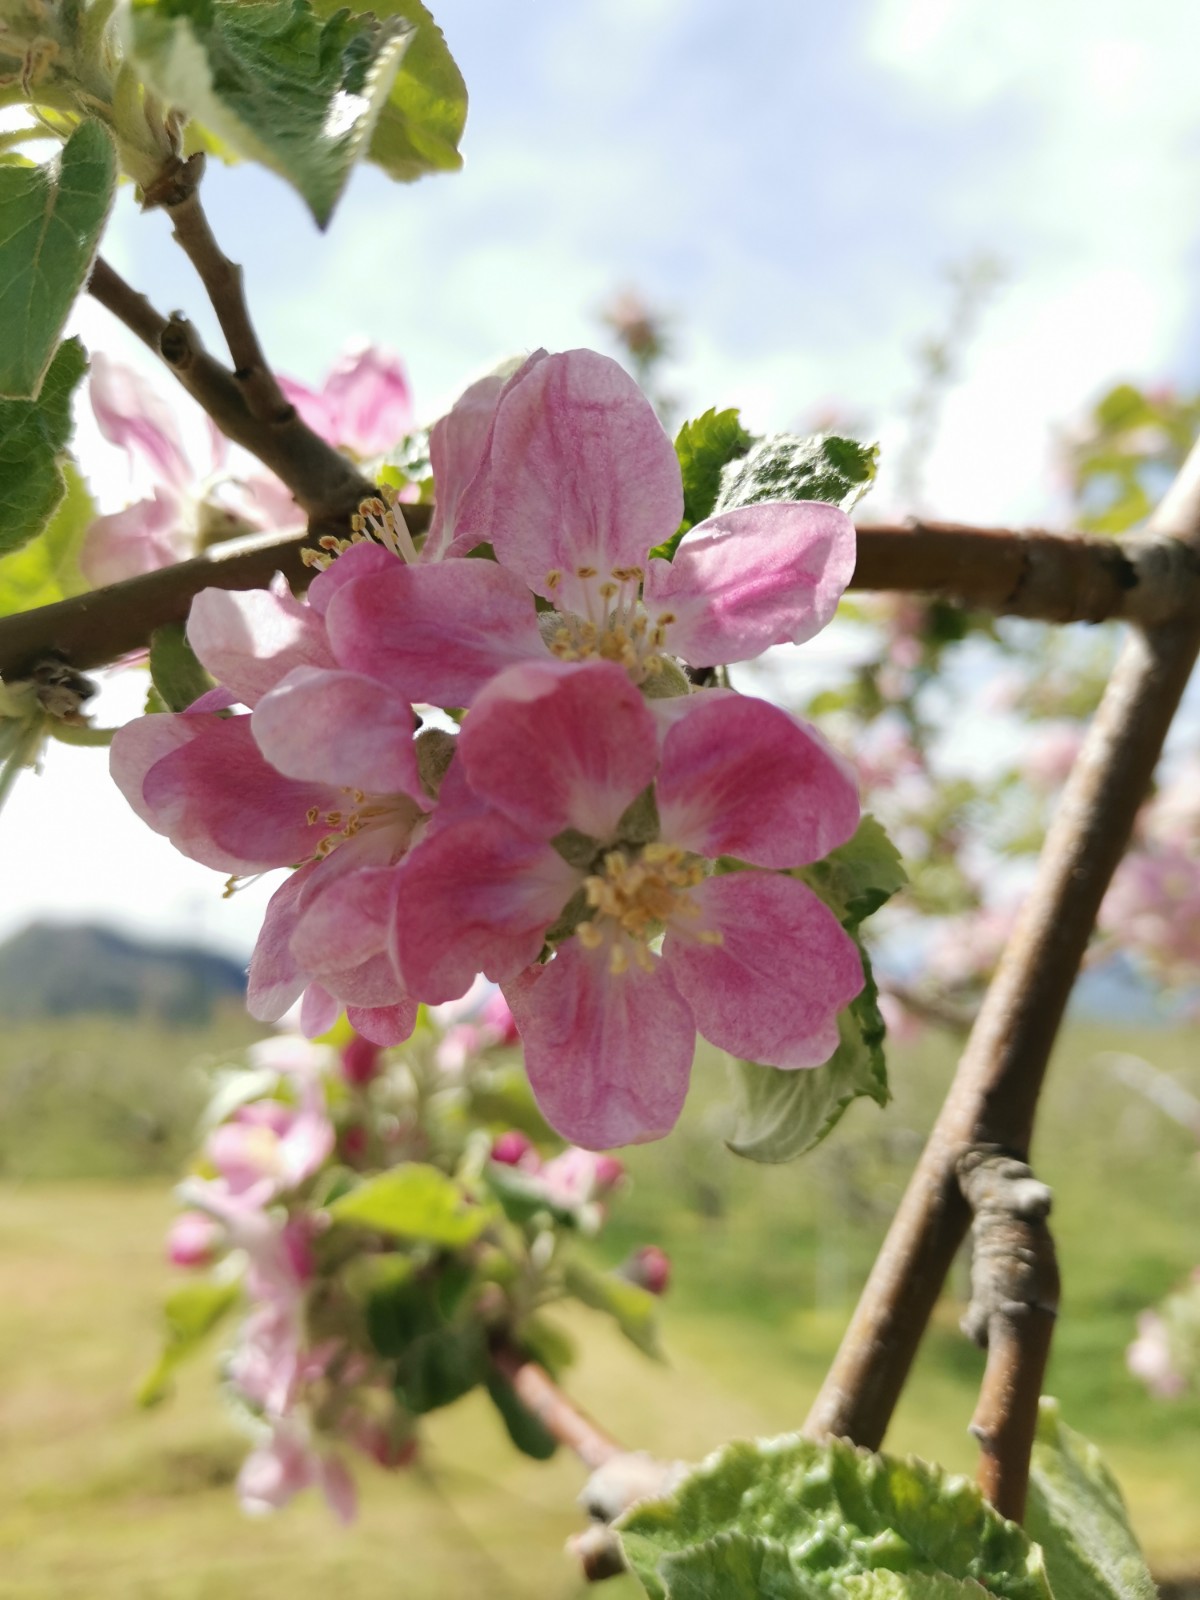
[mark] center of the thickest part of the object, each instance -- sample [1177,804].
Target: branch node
[177,180]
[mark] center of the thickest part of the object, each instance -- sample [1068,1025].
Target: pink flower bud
[354,1141]
[360,1061]
[609,1173]
[511,1148]
[648,1267]
[496,1016]
[194,1240]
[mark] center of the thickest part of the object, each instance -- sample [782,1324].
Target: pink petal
[318,1011]
[476,896]
[219,802]
[146,536]
[276,978]
[579,475]
[251,638]
[360,561]
[456,448]
[558,745]
[341,935]
[744,778]
[315,409]
[772,989]
[436,634]
[384,1025]
[138,747]
[341,727]
[132,414]
[608,1057]
[337,1485]
[762,575]
[368,395]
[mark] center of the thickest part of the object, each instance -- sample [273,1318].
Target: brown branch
[561,1418]
[1014,1304]
[994,1095]
[323,481]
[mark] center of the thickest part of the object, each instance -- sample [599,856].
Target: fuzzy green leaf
[784,467]
[634,1309]
[191,1314]
[51,219]
[33,440]
[802,1519]
[178,677]
[274,81]
[422,120]
[705,447]
[522,1427]
[859,876]
[1076,1513]
[414,1202]
[47,569]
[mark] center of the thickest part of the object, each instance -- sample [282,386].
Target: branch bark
[995,1092]
[561,1418]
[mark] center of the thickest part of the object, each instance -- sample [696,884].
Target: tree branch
[561,1418]
[995,1092]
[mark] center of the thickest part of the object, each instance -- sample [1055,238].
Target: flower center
[614,626]
[365,812]
[378,520]
[634,897]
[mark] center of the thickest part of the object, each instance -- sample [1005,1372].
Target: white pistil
[614,626]
[635,897]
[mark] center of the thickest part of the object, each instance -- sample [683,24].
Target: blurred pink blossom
[363,406]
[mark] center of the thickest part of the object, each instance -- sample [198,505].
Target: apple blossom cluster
[1166,1353]
[379,1232]
[588,827]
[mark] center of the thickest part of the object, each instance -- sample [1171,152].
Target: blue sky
[791,183]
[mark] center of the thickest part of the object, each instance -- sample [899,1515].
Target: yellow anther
[311,815]
[585,573]
[553,579]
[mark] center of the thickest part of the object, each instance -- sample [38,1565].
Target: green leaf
[47,569]
[634,1309]
[51,219]
[523,1428]
[414,1202]
[1076,1513]
[274,81]
[858,877]
[422,121]
[33,437]
[179,679]
[441,1367]
[784,467]
[191,1314]
[883,1585]
[705,447]
[782,1115]
[835,1513]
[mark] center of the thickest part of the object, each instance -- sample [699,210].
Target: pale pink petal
[435,634]
[341,727]
[360,561]
[146,536]
[337,1485]
[262,500]
[744,778]
[557,745]
[341,936]
[456,448]
[474,897]
[608,1056]
[132,414]
[276,978]
[747,579]
[276,1471]
[316,410]
[771,990]
[384,1025]
[139,746]
[367,392]
[305,1147]
[318,1011]
[219,801]
[251,638]
[580,475]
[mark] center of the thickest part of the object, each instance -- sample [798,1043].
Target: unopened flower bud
[609,1173]
[194,1240]
[511,1148]
[360,1061]
[648,1267]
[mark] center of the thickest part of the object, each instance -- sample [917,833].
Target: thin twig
[1014,1304]
[561,1418]
[324,482]
[995,1092]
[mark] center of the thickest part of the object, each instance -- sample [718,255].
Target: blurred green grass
[100,1500]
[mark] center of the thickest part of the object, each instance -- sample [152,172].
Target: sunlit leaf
[784,467]
[179,679]
[33,440]
[191,1314]
[414,1202]
[634,1309]
[47,569]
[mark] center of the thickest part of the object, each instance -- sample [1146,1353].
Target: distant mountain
[57,970]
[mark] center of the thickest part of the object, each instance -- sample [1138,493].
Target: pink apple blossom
[194,1240]
[540,835]
[363,406]
[566,472]
[648,1267]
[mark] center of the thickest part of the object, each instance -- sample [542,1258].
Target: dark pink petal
[744,778]
[608,1056]
[146,536]
[384,1025]
[251,638]
[580,475]
[456,448]
[139,746]
[341,727]
[476,896]
[762,575]
[360,561]
[341,934]
[771,990]
[434,633]
[220,802]
[132,415]
[558,745]
[276,978]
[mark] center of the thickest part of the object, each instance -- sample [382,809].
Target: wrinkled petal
[741,777]
[579,475]
[474,897]
[146,536]
[360,561]
[276,979]
[251,638]
[608,1056]
[762,575]
[133,416]
[456,448]
[435,634]
[341,727]
[771,990]
[557,745]
[221,803]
